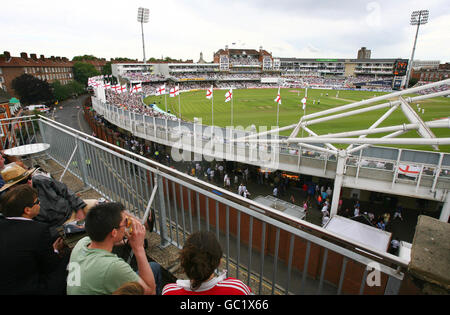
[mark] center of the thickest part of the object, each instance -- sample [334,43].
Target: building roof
[342,60]
[34,61]
[234,51]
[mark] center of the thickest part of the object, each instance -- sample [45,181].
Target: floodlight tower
[143,18]
[417,18]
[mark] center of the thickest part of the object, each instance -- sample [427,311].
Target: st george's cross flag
[114,87]
[229,95]
[136,89]
[409,170]
[304,103]
[121,89]
[161,90]
[209,93]
[278,98]
[174,91]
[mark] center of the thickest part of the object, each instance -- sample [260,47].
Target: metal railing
[193,137]
[272,252]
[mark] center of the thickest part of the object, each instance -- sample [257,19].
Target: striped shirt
[216,286]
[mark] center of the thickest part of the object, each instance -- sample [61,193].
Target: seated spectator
[199,258]
[58,203]
[29,261]
[98,270]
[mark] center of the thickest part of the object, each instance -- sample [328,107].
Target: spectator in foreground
[97,270]
[29,262]
[199,258]
[58,203]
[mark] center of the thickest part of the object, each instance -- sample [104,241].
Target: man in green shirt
[94,269]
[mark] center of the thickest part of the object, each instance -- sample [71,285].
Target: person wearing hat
[31,263]
[58,203]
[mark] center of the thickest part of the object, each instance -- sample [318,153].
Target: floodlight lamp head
[143,14]
[419,17]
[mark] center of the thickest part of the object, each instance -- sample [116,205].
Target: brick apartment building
[432,75]
[47,69]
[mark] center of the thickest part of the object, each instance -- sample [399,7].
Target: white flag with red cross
[121,89]
[209,93]
[229,96]
[161,90]
[409,170]
[136,89]
[304,103]
[278,98]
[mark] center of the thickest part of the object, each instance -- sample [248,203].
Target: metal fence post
[162,213]
[393,286]
[84,160]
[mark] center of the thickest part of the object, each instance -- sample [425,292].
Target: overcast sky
[183,28]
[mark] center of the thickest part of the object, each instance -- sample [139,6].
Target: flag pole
[165,99]
[278,107]
[232,110]
[179,101]
[212,107]
[304,106]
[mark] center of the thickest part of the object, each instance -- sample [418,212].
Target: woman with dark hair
[199,258]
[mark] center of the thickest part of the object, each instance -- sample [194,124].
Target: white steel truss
[396,100]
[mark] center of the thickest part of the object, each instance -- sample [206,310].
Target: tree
[83,71]
[106,70]
[31,90]
[412,82]
[60,91]
[84,57]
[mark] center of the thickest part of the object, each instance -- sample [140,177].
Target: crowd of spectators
[244,61]
[441,88]
[337,82]
[142,76]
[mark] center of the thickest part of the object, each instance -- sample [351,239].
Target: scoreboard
[400,67]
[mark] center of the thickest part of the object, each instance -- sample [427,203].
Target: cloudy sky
[183,28]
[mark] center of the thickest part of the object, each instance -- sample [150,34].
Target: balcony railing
[270,251]
[197,138]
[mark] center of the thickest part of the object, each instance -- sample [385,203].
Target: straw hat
[13,173]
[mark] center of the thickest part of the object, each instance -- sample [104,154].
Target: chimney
[52,58]
[65,59]
[24,56]
[42,57]
[33,56]
[7,55]
[58,58]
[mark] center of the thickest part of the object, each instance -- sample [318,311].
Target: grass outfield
[257,106]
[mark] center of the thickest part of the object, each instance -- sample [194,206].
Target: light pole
[143,18]
[417,18]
